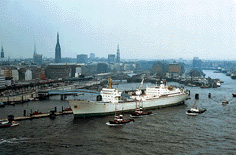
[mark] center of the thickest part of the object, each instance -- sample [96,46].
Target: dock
[38,116]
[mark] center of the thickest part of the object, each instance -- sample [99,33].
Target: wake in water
[14,140]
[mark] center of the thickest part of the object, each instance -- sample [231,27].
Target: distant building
[118,55]
[129,67]
[160,69]
[175,70]
[197,63]
[102,68]
[38,59]
[82,58]
[92,56]
[111,58]
[2,53]
[58,51]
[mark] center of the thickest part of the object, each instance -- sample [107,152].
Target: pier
[39,116]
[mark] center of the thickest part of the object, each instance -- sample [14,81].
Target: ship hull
[89,108]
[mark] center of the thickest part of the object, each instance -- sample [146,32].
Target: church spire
[57,37]
[118,54]
[2,52]
[35,48]
[58,50]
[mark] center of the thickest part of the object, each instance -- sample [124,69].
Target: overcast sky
[144,29]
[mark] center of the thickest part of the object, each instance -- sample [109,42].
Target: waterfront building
[15,74]
[22,74]
[42,74]
[58,51]
[7,73]
[36,71]
[118,55]
[111,58]
[82,58]
[89,69]
[28,75]
[2,81]
[62,70]
[58,70]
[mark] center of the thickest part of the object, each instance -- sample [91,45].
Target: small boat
[14,123]
[4,124]
[194,111]
[234,95]
[36,113]
[139,112]
[224,102]
[67,109]
[33,99]
[119,121]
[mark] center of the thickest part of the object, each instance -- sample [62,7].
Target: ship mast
[109,83]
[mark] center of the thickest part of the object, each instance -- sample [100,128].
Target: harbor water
[167,131]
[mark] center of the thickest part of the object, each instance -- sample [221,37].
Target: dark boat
[224,102]
[194,111]
[139,112]
[234,95]
[52,114]
[119,121]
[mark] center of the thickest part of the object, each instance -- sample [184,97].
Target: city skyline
[143,29]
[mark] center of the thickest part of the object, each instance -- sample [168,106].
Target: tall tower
[58,51]
[2,53]
[118,55]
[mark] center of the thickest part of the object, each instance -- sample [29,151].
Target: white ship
[111,99]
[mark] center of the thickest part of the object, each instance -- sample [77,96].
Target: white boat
[154,97]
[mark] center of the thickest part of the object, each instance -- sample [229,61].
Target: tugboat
[119,121]
[194,111]
[139,112]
